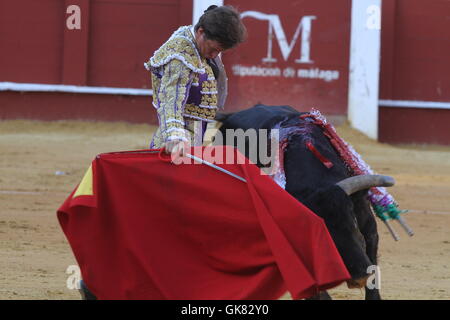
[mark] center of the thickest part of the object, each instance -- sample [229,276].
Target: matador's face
[208,49]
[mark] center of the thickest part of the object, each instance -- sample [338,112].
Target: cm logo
[275,27]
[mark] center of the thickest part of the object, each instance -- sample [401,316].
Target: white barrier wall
[364,66]
[200,6]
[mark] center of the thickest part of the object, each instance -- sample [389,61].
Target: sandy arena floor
[35,254]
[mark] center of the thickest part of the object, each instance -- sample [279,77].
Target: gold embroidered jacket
[184,86]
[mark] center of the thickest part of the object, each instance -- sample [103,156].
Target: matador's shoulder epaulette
[180,46]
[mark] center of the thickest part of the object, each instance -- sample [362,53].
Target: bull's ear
[222,116]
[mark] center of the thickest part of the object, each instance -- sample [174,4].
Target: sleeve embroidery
[172,96]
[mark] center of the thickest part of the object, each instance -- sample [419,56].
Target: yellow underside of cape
[86,186]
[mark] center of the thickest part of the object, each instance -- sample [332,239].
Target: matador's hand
[177,148]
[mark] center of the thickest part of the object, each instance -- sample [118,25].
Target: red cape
[142,228]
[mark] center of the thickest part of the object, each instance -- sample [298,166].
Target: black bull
[347,214]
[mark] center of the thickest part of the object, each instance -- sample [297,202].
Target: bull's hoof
[372,294]
[322,295]
[85,293]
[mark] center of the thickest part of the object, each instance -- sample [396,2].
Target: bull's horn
[357,183]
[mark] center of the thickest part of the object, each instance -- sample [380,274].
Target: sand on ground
[42,162]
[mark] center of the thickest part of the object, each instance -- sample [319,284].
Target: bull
[332,193]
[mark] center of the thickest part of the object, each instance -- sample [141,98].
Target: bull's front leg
[371,238]
[322,295]
[372,292]
[368,228]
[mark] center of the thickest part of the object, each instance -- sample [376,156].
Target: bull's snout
[357,283]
